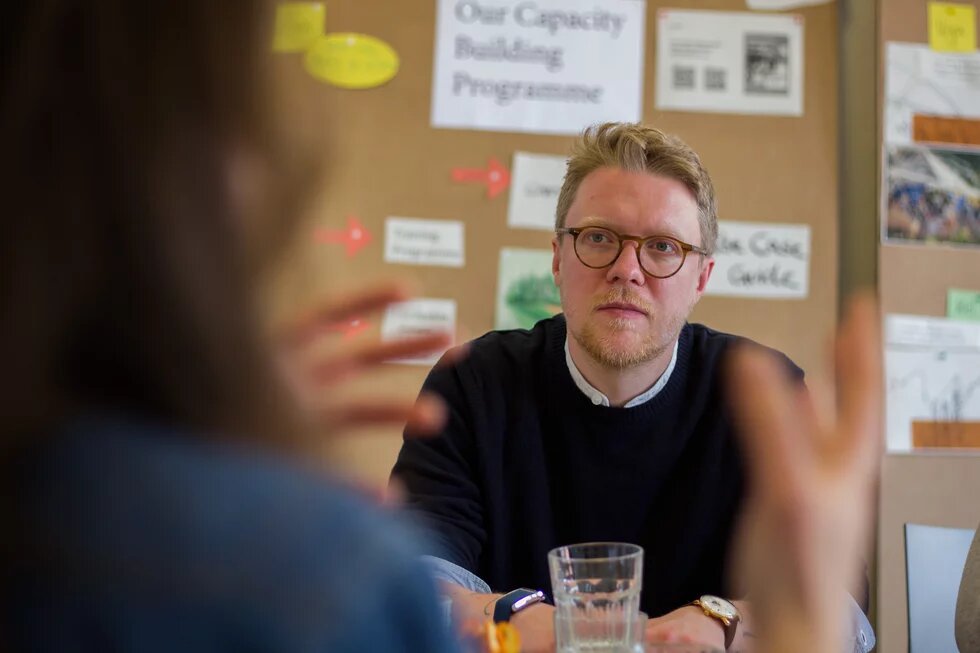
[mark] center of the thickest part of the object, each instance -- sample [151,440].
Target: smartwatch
[513,602]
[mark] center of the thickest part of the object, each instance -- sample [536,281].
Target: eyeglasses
[659,256]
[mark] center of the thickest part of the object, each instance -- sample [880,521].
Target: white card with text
[424,242]
[536,182]
[761,259]
[417,317]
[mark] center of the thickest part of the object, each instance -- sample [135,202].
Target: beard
[622,343]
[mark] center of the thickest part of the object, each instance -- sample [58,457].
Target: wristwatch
[513,602]
[723,611]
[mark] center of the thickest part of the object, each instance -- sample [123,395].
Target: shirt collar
[600,399]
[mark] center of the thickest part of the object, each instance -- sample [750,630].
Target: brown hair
[636,148]
[127,286]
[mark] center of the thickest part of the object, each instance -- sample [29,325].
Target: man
[608,422]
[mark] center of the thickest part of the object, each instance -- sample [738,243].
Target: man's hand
[536,626]
[687,625]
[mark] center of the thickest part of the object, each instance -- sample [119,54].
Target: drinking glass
[597,587]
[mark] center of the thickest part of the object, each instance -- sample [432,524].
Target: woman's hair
[127,284]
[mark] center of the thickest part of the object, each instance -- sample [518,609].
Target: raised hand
[813,469]
[315,362]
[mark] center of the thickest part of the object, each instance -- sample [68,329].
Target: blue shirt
[138,538]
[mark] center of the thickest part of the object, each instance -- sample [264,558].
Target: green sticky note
[963,305]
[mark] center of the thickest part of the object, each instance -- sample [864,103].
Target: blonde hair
[636,148]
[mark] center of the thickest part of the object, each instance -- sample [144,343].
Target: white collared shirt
[600,399]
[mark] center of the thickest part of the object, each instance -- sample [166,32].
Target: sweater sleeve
[440,474]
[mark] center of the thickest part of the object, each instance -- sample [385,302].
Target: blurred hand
[812,469]
[315,376]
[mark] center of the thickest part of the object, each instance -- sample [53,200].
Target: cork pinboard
[388,161]
[925,488]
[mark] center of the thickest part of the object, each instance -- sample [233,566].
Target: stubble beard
[603,343]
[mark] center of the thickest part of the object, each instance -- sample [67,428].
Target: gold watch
[722,610]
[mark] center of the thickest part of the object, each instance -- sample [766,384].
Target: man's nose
[626,267]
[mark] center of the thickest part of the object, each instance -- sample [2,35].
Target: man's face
[618,315]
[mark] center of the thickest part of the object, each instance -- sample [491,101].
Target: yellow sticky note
[352,60]
[298,26]
[952,27]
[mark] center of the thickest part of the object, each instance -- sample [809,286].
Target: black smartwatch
[513,602]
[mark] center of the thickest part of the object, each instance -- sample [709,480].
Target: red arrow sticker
[494,176]
[353,238]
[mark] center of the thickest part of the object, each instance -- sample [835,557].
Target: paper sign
[963,305]
[534,193]
[526,289]
[298,26]
[730,62]
[760,259]
[352,60]
[952,27]
[424,242]
[921,81]
[939,129]
[418,317]
[542,66]
[932,372]
[781,5]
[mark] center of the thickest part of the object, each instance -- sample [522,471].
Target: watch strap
[514,601]
[730,625]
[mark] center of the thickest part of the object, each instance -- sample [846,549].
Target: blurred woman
[149,441]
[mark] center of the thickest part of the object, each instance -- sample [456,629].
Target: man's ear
[556,260]
[707,265]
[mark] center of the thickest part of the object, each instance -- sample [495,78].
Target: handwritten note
[424,242]
[534,192]
[952,27]
[963,304]
[759,259]
[298,26]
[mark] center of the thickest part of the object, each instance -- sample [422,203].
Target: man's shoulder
[706,342]
[519,346]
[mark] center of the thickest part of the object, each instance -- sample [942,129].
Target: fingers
[425,417]
[859,380]
[764,398]
[341,309]
[343,364]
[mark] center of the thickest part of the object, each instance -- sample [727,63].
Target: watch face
[719,606]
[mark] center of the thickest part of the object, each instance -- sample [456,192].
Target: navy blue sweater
[528,463]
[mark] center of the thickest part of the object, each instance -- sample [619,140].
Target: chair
[934,560]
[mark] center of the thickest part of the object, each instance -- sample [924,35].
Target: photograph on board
[932,195]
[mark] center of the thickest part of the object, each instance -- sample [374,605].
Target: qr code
[683,77]
[714,79]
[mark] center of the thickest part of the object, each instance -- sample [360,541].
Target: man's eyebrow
[599,221]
